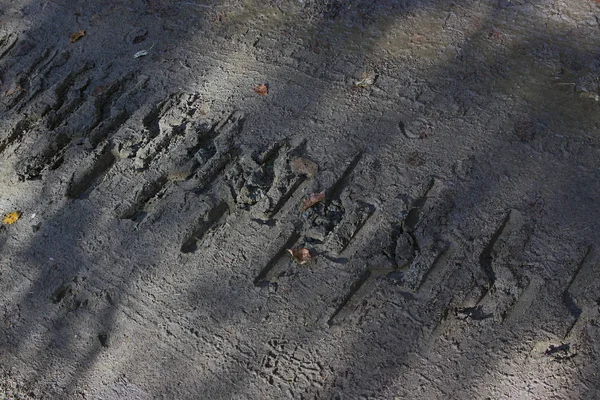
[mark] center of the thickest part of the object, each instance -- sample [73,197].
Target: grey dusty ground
[455,254]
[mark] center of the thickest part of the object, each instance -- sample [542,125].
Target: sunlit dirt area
[299,199]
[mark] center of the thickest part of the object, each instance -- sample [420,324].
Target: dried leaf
[311,200]
[12,218]
[261,89]
[366,80]
[300,255]
[304,166]
[77,35]
[140,53]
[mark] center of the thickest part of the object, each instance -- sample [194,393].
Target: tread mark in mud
[103,101]
[567,298]
[267,176]
[362,288]
[338,187]
[413,263]
[84,180]
[23,79]
[51,153]
[444,311]
[159,137]
[435,274]
[406,230]
[364,277]
[266,274]
[34,81]
[199,155]
[581,293]
[486,257]
[413,217]
[7,42]
[211,221]
[225,153]
[500,261]
[522,306]
[61,92]
[106,127]
[217,143]
[335,224]
[166,122]
[267,180]
[16,133]
[209,173]
[271,153]
[287,196]
[351,226]
[150,189]
[49,150]
[151,120]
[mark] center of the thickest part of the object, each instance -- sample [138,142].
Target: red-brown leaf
[261,89]
[300,255]
[311,200]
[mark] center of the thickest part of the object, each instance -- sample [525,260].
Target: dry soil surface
[454,148]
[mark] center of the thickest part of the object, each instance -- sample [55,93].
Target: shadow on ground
[494,101]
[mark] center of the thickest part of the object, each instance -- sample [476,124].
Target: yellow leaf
[77,35]
[12,218]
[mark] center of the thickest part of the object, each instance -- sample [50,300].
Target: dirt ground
[453,148]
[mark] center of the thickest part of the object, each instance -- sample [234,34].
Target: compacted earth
[344,199]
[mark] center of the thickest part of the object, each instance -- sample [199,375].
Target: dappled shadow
[103,290]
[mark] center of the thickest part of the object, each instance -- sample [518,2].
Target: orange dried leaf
[311,200]
[77,35]
[300,255]
[261,89]
[304,166]
[12,218]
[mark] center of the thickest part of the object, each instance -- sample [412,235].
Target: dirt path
[455,253]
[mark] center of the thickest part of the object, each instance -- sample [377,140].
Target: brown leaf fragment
[300,255]
[304,166]
[77,35]
[12,218]
[261,89]
[311,200]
